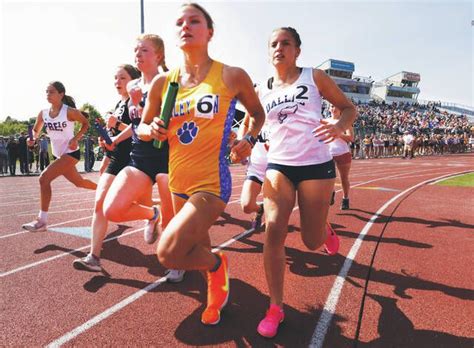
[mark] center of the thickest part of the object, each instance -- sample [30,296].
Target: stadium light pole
[142,16]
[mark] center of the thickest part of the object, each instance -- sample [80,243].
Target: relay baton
[102,132]
[30,132]
[167,108]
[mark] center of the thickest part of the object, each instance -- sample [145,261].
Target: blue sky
[82,42]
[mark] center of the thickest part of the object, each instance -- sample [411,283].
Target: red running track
[420,292]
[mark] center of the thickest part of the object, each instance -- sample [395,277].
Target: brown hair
[68,100]
[133,72]
[157,41]
[293,33]
[207,16]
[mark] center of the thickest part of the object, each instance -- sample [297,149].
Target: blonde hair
[159,45]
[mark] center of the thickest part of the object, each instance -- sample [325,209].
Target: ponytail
[69,101]
[163,66]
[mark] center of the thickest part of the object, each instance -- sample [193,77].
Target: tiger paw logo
[187,133]
[287,110]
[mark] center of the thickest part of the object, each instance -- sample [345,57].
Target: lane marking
[30,265]
[108,312]
[58,224]
[329,309]
[231,202]
[122,304]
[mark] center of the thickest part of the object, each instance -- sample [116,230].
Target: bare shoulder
[158,83]
[319,75]
[235,77]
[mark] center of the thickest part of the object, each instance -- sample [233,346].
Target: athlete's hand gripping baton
[167,108]
[102,132]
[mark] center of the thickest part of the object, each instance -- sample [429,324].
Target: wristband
[251,140]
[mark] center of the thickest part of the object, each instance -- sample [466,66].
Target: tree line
[11,126]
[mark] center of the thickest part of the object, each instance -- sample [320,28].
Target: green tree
[93,115]
[12,126]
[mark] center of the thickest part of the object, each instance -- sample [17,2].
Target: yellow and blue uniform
[198,133]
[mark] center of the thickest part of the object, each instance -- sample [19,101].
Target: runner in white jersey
[341,153]
[299,163]
[255,174]
[59,122]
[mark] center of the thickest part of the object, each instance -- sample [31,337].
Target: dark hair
[85,114]
[207,16]
[293,33]
[133,72]
[68,100]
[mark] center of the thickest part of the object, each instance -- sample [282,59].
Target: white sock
[43,216]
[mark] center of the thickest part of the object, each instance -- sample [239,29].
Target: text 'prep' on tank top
[60,131]
[198,133]
[292,113]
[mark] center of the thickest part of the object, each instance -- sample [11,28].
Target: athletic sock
[156,212]
[43,216]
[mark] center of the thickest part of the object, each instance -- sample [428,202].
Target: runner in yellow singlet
[198,135]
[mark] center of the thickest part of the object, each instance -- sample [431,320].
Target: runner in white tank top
[299,163]
[292,113]
[59,122]
[256,168]
[60,131]
[341,154]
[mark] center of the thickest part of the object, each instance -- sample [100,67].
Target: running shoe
[332,198]
[174,275]
[89,263]
[332,240]
[257,222]
[35,226]
[152,226]
[268,327]
[345,204]
[217,292]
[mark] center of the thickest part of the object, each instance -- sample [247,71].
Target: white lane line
[122,304]
[231,202]
[58,224]
[30,265]
[107,313]
[36,199]
[329,309]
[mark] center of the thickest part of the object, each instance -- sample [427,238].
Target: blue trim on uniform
[181,195]
[225,178]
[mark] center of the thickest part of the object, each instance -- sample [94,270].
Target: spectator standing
[3,156]
[43,151]
[23,153]
[12,149]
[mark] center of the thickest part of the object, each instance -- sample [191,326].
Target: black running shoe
[257,222]
[345,204]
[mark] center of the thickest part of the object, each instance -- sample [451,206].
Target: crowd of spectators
[17,157]
[380,129]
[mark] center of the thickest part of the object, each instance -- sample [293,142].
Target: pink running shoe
[268,327]
[331,245]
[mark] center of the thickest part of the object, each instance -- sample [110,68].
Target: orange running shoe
[332,240]
[217,292]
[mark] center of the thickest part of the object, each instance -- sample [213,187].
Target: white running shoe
[174,275]
[89,263]
[152,227]
[35,226]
